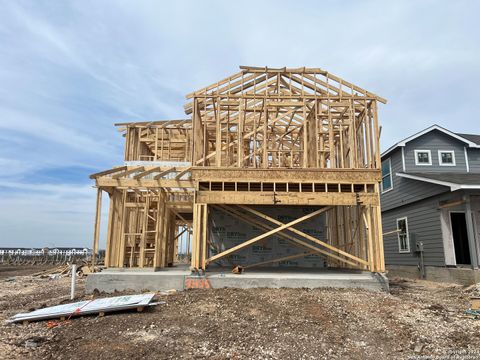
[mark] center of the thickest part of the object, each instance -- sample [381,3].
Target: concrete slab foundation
[462,276]
[111,280]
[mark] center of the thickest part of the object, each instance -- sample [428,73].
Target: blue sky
[70,69]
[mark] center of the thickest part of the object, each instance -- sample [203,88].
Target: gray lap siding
[435,141]
[474,160]
[424,225]
[404,190]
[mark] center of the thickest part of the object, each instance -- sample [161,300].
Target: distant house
[431,205]
[63,251]
[69,251]
[16,251]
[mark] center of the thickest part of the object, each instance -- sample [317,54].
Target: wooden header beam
[278,175]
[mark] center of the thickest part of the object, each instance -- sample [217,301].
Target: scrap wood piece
[59,270]
[97,306]
[237,269]
[475,303]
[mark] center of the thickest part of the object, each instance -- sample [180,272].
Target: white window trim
[466,158]
[391,178]
[429,158]
[408,236]
[440,157]
[450,228]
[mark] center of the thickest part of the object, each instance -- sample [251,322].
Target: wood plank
[293,198]
[370,176]
[107,172]
[96,235]
[145,173]
[181,173]
[127,172]
[141,183]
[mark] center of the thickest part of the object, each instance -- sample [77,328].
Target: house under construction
[271,167]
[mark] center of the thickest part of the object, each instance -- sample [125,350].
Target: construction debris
[95,306]
[83,269]
[168,292]
[475,303]
[237,269]
[474,313]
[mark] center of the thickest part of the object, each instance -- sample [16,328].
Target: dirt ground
[418,320]
[7,271]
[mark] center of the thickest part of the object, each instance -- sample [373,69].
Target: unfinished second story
[265,118]
[448,160]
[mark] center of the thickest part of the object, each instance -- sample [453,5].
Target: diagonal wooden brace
[267,234]
[295,241]
[306,236]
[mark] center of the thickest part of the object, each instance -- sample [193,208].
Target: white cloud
[47,214]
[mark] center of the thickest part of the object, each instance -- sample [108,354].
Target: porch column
[96,233]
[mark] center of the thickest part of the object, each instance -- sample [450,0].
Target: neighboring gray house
[431,202]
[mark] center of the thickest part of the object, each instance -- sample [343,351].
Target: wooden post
[146,208]
[379,238]
[240,140]
[218,140]
[196,236]
[164,239]
[157,261]
[265,138]
[198,134]
[109,245]
[204,235]
[121,256]
[370,239]
[96,234]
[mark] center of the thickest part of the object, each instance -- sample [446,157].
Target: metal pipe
[74,278]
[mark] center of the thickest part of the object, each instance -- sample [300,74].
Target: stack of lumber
[65,270]
[62,270]
[85,269]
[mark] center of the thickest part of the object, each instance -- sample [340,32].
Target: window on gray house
[387,183]
[446,157]
[423,157]
[403,236]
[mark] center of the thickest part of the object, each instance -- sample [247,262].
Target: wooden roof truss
[284,118]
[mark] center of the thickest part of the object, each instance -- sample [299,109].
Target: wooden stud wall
[142,230]
[158,141]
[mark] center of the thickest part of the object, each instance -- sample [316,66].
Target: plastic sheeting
[227,231]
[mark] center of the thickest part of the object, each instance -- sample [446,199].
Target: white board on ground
[87,307]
